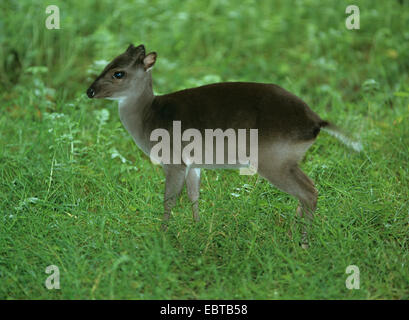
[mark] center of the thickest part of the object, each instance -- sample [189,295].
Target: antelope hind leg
[289,178]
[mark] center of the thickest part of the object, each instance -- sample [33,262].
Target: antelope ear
[130,48]
[149,60]
[137,53]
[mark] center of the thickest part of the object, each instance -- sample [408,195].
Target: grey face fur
[124,75]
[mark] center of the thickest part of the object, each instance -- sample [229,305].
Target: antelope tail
[336,132]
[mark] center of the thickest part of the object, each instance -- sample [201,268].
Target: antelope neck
[131,109]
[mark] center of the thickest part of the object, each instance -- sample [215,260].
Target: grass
[76,192]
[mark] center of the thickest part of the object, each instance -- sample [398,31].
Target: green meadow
[77,193]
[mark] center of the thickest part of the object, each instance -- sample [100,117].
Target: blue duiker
[286,126]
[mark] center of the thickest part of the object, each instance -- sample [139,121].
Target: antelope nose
[90,93]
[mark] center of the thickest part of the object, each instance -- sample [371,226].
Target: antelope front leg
[175,179]
[193,190]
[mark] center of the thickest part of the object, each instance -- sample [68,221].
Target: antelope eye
[118,75]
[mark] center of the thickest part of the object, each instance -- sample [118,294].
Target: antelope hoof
[304,245]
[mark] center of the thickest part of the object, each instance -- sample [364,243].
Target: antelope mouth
[93,94]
